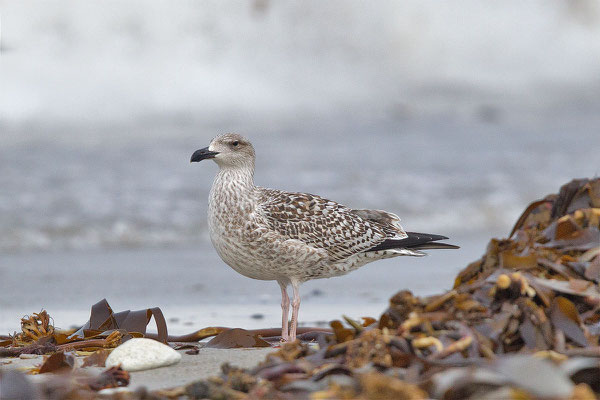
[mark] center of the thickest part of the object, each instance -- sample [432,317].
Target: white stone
[113,391]
[139,354]
[28,356]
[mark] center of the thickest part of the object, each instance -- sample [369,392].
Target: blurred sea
[453,115]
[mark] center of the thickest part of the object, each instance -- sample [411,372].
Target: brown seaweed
[236,338]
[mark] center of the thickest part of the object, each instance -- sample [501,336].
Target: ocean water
[454,116]
[442,176]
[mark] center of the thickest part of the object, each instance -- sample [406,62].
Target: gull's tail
[415,241]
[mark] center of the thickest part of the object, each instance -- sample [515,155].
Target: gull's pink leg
[285,311]
[295,307]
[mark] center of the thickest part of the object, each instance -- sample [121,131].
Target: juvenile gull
[291,238]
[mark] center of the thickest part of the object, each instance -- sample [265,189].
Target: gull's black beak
[203,154]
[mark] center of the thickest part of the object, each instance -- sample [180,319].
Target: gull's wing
[398,238]
[388,221]
[321,223]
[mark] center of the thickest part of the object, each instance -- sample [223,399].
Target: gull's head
[228,150]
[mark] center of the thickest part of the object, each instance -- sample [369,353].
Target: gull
[291,238]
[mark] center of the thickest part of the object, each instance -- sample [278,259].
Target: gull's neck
[235,179]
[231,199]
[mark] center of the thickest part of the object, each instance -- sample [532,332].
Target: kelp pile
[92,343]
[521,322]
[104,331]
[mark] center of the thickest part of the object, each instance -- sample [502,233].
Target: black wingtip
[431,236]
[417,241]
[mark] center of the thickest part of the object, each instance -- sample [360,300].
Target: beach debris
[28,356]
[64,383]
[34,348]
[57,362]
[268,334]
[96,359]
[104,329]
[212,389]
[103,319]
[112,377]
[189,348]
[33,328]
[140,354]
[5,340]
[379,386]
[236,338]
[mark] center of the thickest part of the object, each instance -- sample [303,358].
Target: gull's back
[324,224]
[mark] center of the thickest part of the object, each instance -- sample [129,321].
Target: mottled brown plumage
[293,237]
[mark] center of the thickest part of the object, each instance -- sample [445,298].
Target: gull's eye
[235,144]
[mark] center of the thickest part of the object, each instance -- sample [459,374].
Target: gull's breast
[233,235]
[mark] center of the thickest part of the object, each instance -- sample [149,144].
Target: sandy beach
[205,364]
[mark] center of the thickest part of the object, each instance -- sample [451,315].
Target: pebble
[113,391]
[28,356]
[139,354]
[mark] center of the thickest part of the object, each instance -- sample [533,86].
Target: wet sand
[191,368]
